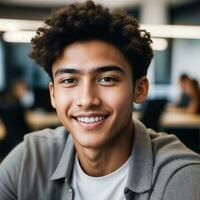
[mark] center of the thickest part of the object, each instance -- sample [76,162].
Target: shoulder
[169,160]
[10,171]
[44,145]
[47,134]
[184,184]
[14,158]
[34,154]
[170,153]
[45,139]
[167,147]
[42,141]
[174,163]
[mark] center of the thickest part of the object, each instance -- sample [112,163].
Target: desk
[2,130]
[40,119]
[180,120]
[36,120]
[186,122]
[173,119]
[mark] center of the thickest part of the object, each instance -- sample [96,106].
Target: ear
[141,90]
[52,96]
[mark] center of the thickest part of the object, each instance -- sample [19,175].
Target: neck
[104,160]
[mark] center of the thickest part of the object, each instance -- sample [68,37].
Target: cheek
[119,98]
[63,100]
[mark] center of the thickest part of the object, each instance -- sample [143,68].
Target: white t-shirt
[109,187]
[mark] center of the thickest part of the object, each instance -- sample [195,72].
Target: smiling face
[93,93]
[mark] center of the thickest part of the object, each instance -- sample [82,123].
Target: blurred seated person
[192,92]
[21,92]
[12,115]
[184,97]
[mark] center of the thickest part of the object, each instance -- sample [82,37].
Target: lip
[90,115]
[93,125]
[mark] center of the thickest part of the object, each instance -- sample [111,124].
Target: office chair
[13,117]
[151,112]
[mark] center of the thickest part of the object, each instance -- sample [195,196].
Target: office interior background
[176,49]
[173,24]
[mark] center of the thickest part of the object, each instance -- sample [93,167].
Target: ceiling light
[173,31]
[18,36]
[159,31]
[159,44]
[18,24]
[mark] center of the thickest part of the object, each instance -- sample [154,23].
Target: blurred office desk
[174,119]
[185,126]
[180,120]
[36,120]
[2,130]
[42,119]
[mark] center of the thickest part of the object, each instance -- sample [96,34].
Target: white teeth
[90,119]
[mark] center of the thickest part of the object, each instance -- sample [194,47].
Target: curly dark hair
[87,21]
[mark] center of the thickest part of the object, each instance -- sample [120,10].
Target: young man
[97,61]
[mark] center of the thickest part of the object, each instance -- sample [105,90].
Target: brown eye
[107,79]
[69,81]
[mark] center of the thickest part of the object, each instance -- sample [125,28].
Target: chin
[90,142]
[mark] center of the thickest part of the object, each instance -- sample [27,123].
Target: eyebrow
[96,70]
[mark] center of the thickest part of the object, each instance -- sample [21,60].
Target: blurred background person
[184,97]
[21,91]
[193,91]
[13,106]
[189,100]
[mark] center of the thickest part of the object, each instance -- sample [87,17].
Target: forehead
[90,54]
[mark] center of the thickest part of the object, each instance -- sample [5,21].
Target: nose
[88,96]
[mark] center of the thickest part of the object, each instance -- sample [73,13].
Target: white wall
[185,58]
